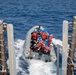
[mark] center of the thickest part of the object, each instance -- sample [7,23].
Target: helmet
[50,33]
[35,30]
[46,40]
[44,30]
[39,30]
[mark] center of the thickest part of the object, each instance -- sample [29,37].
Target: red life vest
[34,35]
[44,35]
[40,44]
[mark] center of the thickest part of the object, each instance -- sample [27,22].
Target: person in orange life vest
[46,48]
[34,35]
[39,32]
[39,35]
[40,44]
[50,37]
[44,34]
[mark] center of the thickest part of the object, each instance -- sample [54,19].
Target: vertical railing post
[65,47]
[11,50]
[58,50]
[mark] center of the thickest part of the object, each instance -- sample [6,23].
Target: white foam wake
[36,67]
[18,45]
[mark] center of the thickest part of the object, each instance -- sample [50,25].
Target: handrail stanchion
[11,50]
[65,47]
[58,60]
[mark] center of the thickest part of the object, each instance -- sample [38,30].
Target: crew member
[50,37]
[45,47]
[34,35]
[40,44]
[44,34]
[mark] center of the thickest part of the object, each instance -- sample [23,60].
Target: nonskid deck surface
[37,55]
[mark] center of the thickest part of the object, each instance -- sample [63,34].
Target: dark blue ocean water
[24,14]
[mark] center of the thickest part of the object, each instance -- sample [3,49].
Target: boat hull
[36,55]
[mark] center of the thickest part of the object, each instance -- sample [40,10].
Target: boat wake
[37,67]
[33,67]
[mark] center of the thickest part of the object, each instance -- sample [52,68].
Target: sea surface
[24,14]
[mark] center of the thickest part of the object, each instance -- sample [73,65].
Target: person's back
[40,44]
[34,35]
[46,42]
[44,35]
[50,39]
[33,38]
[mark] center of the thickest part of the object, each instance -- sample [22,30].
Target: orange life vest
[34,35]
[44,35]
